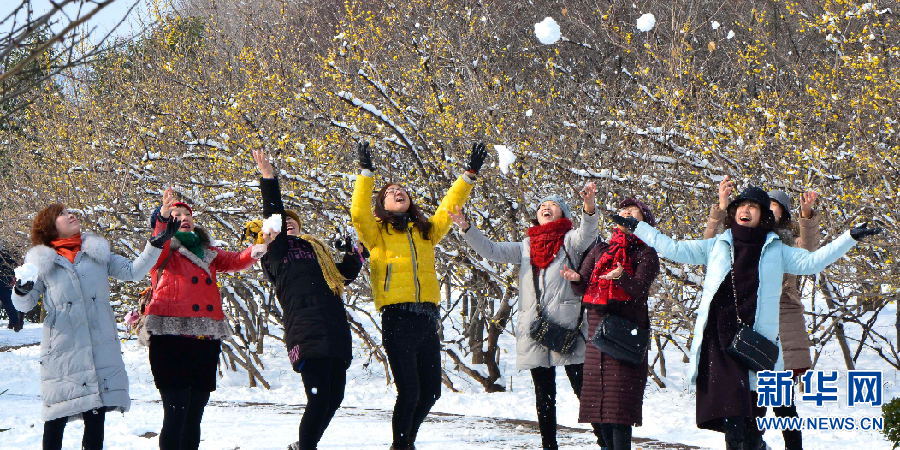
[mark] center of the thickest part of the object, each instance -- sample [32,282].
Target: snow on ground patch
[646,22]
[30,335]
[714,24]
[505,157]
[547,31]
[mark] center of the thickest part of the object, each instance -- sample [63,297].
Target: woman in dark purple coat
[615,278]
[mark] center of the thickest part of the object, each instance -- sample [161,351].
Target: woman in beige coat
[795,341]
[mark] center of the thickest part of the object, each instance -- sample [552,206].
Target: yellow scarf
[253,233]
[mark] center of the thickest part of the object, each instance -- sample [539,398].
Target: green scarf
[190,241]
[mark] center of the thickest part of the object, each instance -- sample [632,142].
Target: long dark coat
[613,391]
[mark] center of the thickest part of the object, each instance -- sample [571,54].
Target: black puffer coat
[315,320]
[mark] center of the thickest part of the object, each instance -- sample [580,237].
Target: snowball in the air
[715,25]
[730,34]
[547,31]
[26,272]
[272,224]
[646,22]
[505,157]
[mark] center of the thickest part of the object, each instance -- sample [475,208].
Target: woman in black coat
[309,286]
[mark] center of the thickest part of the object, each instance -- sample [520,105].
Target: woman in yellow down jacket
[401,240]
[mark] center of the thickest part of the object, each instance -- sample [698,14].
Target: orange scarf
[67,247]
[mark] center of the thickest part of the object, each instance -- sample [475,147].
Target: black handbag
[552,335]
[753,350]
[622,339]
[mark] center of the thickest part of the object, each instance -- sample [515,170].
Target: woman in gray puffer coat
[551,247]
[82,372]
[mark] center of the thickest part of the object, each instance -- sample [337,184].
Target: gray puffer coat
[561,303]
[81,360]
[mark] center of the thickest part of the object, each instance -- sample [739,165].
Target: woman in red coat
[615,278]
[185,323]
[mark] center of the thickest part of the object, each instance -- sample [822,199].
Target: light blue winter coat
[81,360]
[777,258]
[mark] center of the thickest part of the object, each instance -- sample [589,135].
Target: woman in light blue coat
[745,268]
[82,372]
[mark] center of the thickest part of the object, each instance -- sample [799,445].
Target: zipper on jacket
[415,264]
[387,277]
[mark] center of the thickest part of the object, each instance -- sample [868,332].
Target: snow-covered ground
[256,418]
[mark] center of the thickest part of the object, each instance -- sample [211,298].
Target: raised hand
[476,158]
[570,274]
[364,155]
[263,165]
[807,201]
[613,274]
[629,223]
[459,219]
[343,244]
[160,239]
[168,200]
[861,232]
[269,236]
[589,197]
[726,187]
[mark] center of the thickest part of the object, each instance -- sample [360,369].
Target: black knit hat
[761,198]
[755,195]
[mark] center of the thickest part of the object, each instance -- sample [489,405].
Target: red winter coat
[187,287]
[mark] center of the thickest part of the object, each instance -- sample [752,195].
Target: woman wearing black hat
[793,332]
[741,294]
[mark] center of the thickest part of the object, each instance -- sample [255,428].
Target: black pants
[16,319]
[741,433]
[545,398]
[181,420]
[793,439]
[184,371]
[414,354]
[616,436]
[324,380]
[93,431]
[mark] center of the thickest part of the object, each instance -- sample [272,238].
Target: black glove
[476,158]
[344,244]
[160,239]
[630,223]
[860,232]
[364,251]
[364,155]
[23,289]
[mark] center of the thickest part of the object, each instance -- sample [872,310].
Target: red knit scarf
[67,247]
[600,291]
[546,240]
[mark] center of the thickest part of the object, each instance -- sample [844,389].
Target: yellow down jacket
[401,265]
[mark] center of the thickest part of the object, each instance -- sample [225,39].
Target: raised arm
[234,261]
[272,203]
[458,194]
[361,216]
[26,297]
[122,268]
[588,229]
[685,252]
[810,222]
[800,261]
[504,252]
[714,222]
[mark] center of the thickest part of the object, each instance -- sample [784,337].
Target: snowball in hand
[26,272]
[547,31]
[505,157]
[272,224]
[646,22]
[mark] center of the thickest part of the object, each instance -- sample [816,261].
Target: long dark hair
[391,220]
[766,222]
